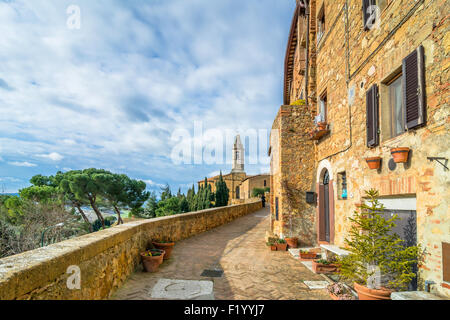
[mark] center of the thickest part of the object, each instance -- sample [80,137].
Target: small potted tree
[379,261]
[151,259]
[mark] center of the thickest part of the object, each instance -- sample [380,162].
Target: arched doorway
[325,217]
[326,200]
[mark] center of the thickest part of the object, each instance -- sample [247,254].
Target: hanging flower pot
[400,155]
[374,162]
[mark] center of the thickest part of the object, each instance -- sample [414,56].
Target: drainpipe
[306,2]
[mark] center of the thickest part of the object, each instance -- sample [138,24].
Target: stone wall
[292,166]
[105,258]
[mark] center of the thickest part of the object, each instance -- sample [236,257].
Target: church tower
[238,156]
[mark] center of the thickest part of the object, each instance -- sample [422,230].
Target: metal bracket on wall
[439,159]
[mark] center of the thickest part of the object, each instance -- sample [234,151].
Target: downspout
[307,52]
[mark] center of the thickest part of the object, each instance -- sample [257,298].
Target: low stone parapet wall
[102,261]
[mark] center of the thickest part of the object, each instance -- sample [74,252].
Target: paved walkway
[251,270]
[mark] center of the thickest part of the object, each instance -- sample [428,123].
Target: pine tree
[222,192]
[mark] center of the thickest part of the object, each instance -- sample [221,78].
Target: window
[265,183]
[371,12]
[321,23]
[397,123]
[342,186]
[323,107]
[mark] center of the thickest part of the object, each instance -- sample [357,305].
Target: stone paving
[251,270]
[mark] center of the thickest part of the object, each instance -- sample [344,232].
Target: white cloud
[176,61]
[54,156]
[22,164]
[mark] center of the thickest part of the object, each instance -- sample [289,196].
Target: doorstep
[335,249]
[414,295]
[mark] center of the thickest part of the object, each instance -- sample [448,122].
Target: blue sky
[111,94]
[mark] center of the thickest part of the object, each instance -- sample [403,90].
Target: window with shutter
[414,89]
[372,115]
[369,14]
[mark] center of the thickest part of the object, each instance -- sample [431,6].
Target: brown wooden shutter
[414,88]
[446,261]
[372,122]
[322,235]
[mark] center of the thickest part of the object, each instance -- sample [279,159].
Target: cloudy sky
[112,91]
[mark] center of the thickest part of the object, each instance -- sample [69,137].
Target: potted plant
[151,259]
[272,245]
[338,291]
[379,261]
[324,266]
[306,254]
[167,246]
[281,245]
[400,155]
[292,242]
[374,162]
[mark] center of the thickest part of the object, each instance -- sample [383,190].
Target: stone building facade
[369,81]
[260,181]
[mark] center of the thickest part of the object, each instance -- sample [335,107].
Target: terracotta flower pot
[273,248]
[374,163]
[334,297]
[281,246]
[322,126]
[167,247]
[400,155]
[309,255]
[151,264]
[292,242]
[365,293]
[324,268]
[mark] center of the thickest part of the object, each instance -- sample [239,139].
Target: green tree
[259,192]
[113,189]
[85,188]
[184,205]
[168,207]
[222,192]
[374,247]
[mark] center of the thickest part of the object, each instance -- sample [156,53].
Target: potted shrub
[167,246]
[324,266]
[338,291]
[292,242]
[151,259]
[400,155]
[379,261]
[374,162]
[281,245]
[272,245]
[305,254]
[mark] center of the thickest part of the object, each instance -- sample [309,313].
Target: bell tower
[238,156]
